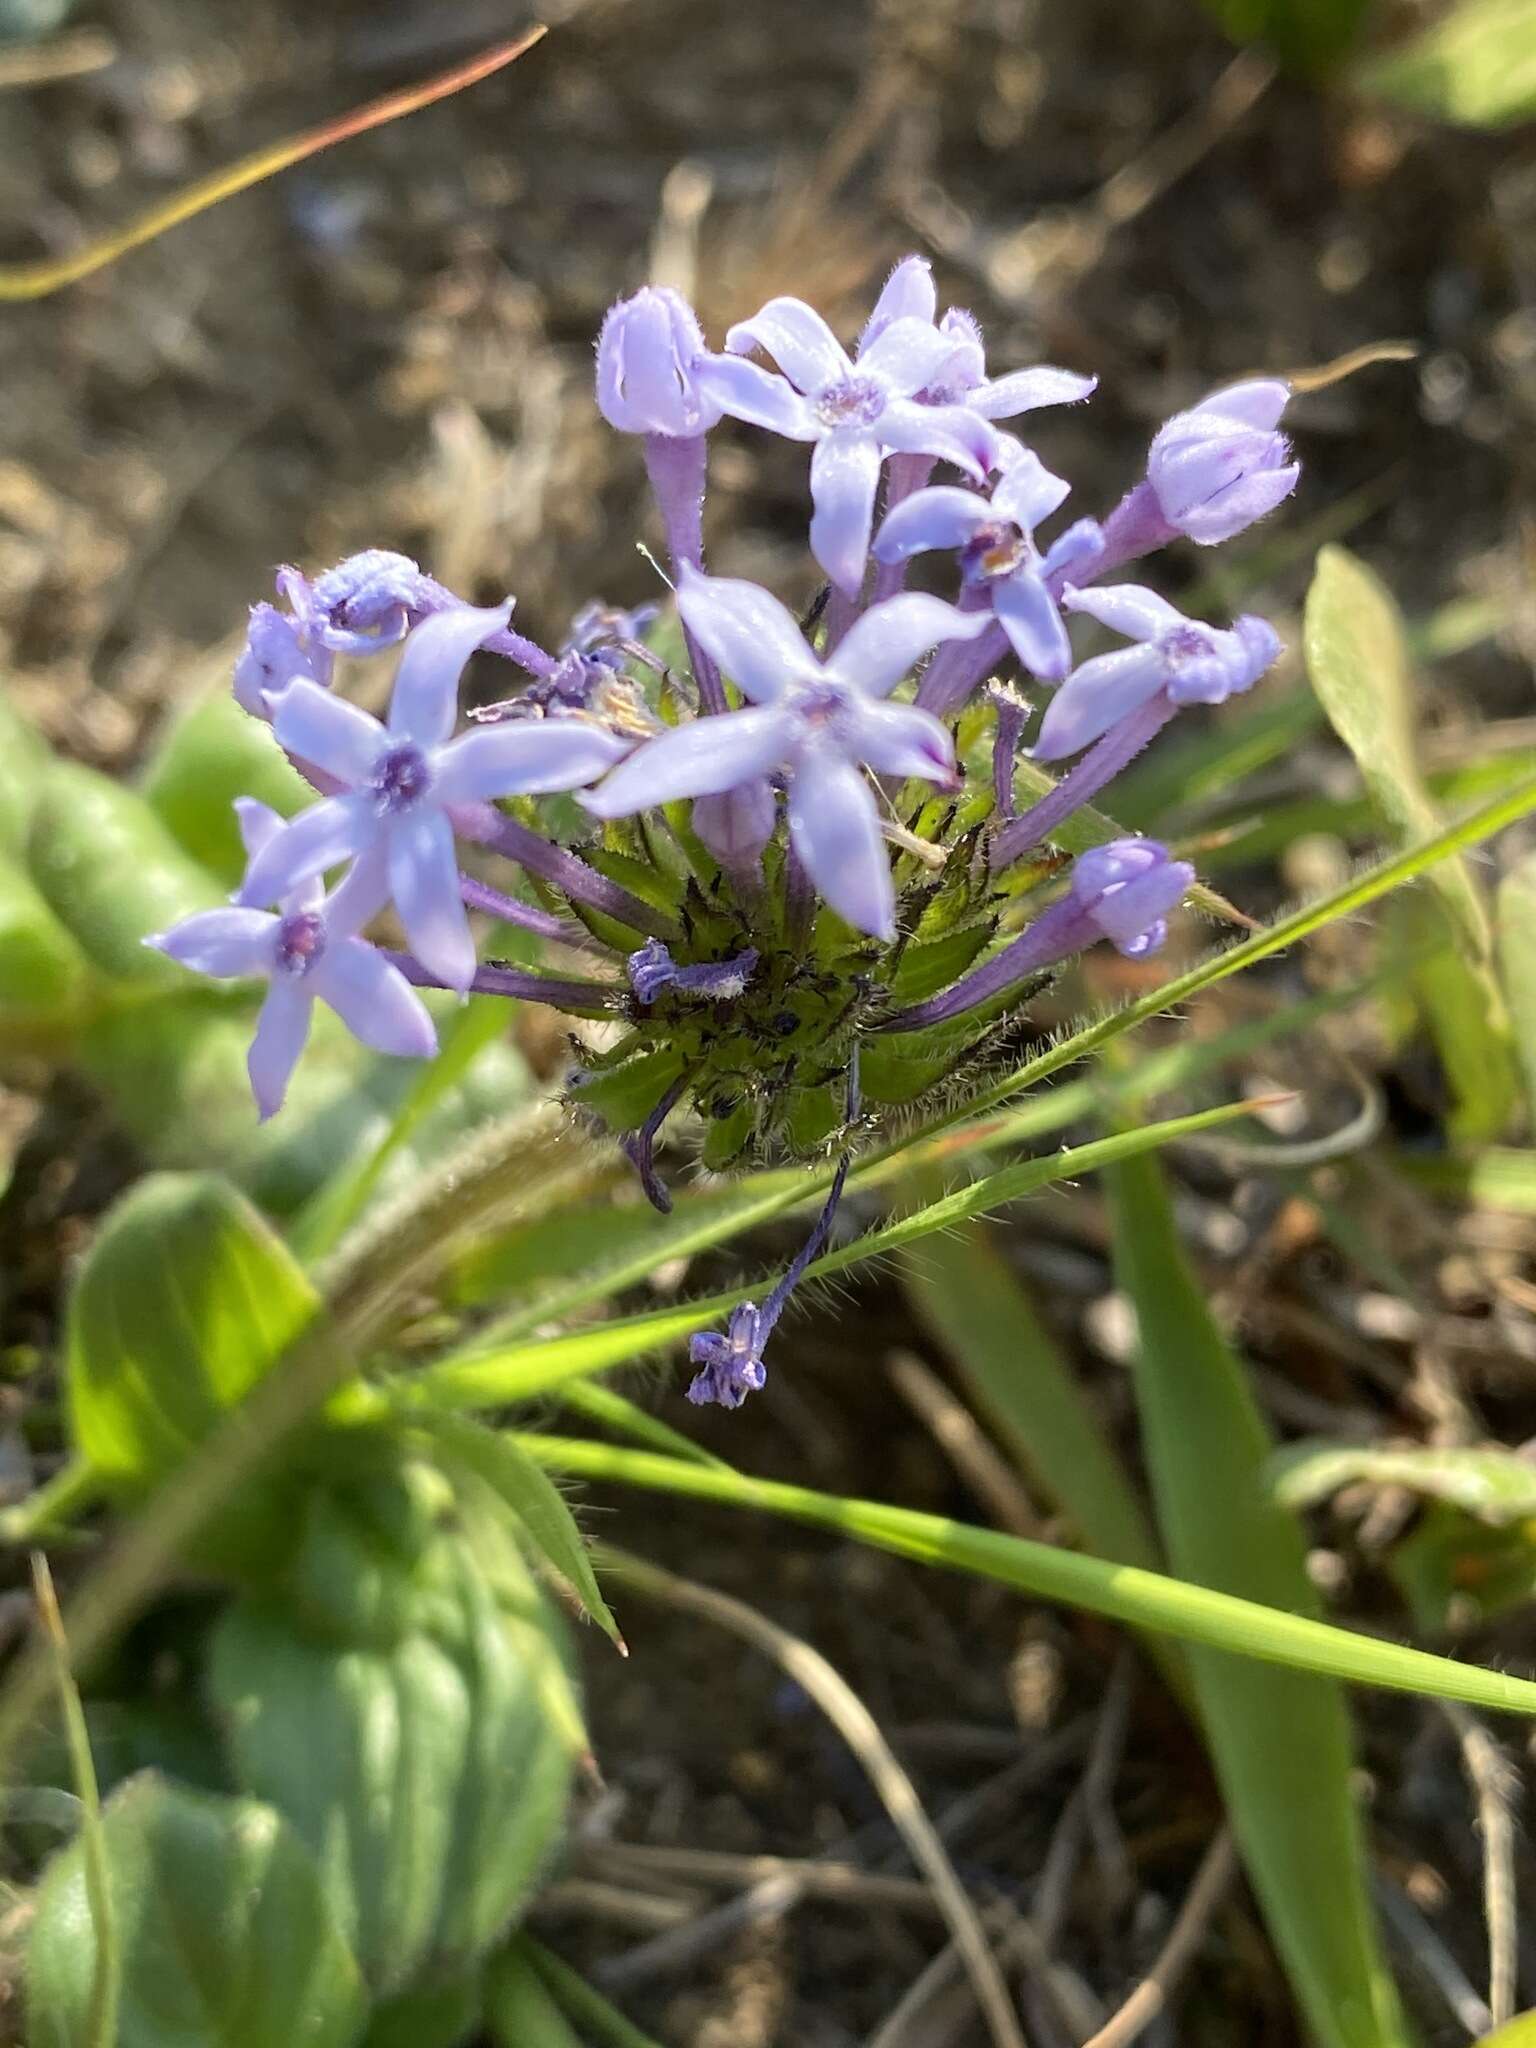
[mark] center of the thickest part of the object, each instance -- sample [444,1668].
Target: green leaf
[520,2009]
[1517,964]
[967,1298]
[184,1302]
[1483,1480]
[1309,36]
[441,2013]
[1125,1593]
[1476,66]
[1456,1573]
[44,979]
[1519,2033]
[25,761]
[1494,1177]
[535,1502]
[228,1939]
[603,2023]
[1357,658]
[1280,1741]
[429,1777]
[211,754]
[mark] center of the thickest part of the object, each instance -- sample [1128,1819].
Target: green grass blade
[1280,1741]
[1497,1177]
[522,1372]
[606,2025]
[1357,658]
[1517,964]
[1120,1592]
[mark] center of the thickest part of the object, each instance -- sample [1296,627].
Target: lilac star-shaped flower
[1185,660]
[1125,888]
[962,379]
[819,724]
[306,953]
[998,557]
[399,780]
[856,413]
[1223,464]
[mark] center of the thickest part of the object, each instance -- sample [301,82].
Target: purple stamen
[300,943]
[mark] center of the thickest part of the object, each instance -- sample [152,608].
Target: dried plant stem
[1151,1997]
[1495,1782]
[967,1446]
[858,1728]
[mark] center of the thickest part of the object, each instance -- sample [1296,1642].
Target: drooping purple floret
[651,969]
[308,951]
[818,723]
[1223,464]
[1182,659]
[398,782]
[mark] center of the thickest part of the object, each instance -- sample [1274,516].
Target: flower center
[300,942]
[856,402]
[820,704]
[1186,647]
[401,779]
[996,549]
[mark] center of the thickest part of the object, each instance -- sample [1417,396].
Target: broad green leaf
[1484,1480]
[520,2009]
[968,1300]
[512,1372]
[1475,66]
[535,1502]
[442,2013]
[45,983]
[1124,1593]
[1519,2033]
[112,874]
[1280,1741]
[228,1938]
[212,753]
[428,1778]
[185,1300]
[1357,658]
[25,760]
[1309,36]
[1517,963]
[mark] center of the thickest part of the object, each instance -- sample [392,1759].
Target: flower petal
[1237,505]
[835,829]
[360,895]
[1027,390]
[426,696]
[374,1000]
[1258,402]
[749,392]
[527,757]
[282,1026]
[225,943]
[943,516]
[753,637]
[907,355]
[798,339]
[883,643]
[1128,608]
[951,431]
[1095,697]
[706,757]
[258,823]
[1073,554]
[737,824]
[424,881]
[907,294]
[1028,615]
[327,731]
[845,472]
[899,739]
[328,833]
[1027,491]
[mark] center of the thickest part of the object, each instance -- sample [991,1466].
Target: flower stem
[904,474]
[1057,932]
[1102,762]
[561,868]
[677,468]
[518,982]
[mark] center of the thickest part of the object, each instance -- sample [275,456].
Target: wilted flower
[817,723]
[653,969]
[399,780]
[309,952]
[1220,466]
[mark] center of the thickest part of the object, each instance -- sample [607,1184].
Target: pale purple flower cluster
[799,737]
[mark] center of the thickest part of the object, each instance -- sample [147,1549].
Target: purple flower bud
[599,630]
[1126,888]
[652,969]
[648,357]
[1217,468]
[277,648]
[371,600]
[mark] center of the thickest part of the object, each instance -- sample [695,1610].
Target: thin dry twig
[1495,1783]
[1153,1994]
[958,1434]
[723,1870]
[858,1728]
